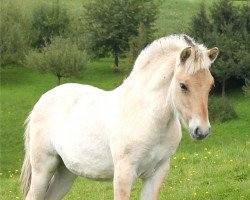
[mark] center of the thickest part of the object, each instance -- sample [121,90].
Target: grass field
[216,168]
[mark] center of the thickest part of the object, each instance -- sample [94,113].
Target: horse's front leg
[123,179]
[152,185]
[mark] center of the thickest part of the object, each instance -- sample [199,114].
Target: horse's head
[192,83]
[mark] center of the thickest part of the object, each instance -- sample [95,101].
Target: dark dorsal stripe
[188,40]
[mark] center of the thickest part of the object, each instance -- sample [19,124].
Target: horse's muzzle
[199,133]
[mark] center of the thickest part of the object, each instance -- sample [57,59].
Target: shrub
[61,57]
[49,20]
[14,34]
[221,110]
[246,88]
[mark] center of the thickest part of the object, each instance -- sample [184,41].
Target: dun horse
[128,133]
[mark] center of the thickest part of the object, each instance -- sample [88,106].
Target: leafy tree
[14,34]
[137,44]
[49,20]
[246,88]
[61,57]
[109,24]
[228,28]
[201,26]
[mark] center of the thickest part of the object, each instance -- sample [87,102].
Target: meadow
[216,168]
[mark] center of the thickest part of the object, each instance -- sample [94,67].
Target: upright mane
[166,46]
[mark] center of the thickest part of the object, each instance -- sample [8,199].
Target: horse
[124,134]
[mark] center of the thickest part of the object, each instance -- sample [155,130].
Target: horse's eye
[183,87]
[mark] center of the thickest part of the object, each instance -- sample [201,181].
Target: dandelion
[216,155]
[1,174]
[231,160]
[16,171]
[206,192]
[183,158]
[188,179]
[209,152]
[174,157]
[196,154]
[205,149]
[205,157]
[195,194]
[248,165]
[17,197]
[10,191]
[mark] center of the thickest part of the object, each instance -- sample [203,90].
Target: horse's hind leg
[43,168]
[60,183]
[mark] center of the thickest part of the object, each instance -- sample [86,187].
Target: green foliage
[137,44]
[200,25]
[110,24]
[246,88]
[221,110]
[14,34]
[61,57]
[49,20]
[227,27]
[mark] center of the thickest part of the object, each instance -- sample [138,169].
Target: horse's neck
[150,86]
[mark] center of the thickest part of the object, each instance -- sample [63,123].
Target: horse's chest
[154,158]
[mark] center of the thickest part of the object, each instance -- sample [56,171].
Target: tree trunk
[116,67]
[223,93]
[116,60]
[58,80]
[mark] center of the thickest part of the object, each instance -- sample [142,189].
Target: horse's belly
[89,160]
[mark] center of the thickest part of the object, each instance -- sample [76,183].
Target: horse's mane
[165,46]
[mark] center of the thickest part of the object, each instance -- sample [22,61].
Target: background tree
[14,34]
[227,27]
[137,44]
[109,24]
[49,20]
[61,57]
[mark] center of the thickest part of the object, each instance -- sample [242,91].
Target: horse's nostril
[197,131]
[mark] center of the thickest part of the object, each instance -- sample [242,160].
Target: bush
[61,57]
[246,88]
[49,20]
[221,110]
[14,33]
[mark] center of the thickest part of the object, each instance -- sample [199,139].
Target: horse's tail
[26,168]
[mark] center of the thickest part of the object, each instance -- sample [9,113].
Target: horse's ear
[185,54]
[213,53]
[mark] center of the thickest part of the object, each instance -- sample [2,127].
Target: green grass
[216,168]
